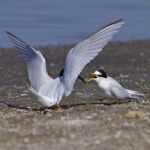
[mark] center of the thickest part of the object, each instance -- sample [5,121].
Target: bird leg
[54,107]
[57,107]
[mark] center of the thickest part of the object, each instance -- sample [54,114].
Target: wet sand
[90,120]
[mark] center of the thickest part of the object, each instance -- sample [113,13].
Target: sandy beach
[90,120]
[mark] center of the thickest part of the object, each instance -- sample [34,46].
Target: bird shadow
[24,107]
[65,107]
[68,106]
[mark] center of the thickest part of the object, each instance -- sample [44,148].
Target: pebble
[134,115]
[23,94]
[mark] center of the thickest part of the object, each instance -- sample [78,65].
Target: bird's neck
[101,81]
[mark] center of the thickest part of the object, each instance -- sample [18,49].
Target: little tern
[111,87]
[48,90]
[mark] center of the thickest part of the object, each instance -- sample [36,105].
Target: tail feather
[134,94]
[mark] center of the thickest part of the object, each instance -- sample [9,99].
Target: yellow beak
[93,77]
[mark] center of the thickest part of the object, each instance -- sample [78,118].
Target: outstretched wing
[34,60]
[85,51]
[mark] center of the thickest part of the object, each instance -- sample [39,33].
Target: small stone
[23,94]
[134,115]
[45,111]
[26,140]
[52,64]
[88,117]
[133,105]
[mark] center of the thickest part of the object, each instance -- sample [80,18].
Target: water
[44,22]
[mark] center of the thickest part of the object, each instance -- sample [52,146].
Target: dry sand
[88,121]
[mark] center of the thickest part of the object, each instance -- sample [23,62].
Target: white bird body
[50,91]
[113,88]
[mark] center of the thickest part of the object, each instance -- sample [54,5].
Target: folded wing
[85,51]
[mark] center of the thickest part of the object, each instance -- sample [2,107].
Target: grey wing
[114,82]
[117,89]
[85,51]
[34,60]
[118,92]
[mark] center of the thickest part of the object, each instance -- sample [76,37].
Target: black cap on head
[103,74]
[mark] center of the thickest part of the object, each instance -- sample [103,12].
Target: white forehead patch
[97,73]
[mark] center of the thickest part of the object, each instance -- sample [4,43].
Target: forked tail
[134,94]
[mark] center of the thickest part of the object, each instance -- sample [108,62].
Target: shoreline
[72,44]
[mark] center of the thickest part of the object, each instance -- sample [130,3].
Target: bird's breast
[103,83]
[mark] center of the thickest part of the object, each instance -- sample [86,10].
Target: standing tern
[111,87]
[48,90]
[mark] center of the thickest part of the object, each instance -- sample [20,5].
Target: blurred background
[46,22]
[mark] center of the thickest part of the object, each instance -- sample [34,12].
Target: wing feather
[85,51]
[36,65]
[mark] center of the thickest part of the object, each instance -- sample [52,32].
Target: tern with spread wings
[50,91]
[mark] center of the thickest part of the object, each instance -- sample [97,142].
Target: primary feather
[85,51]
[36,65]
